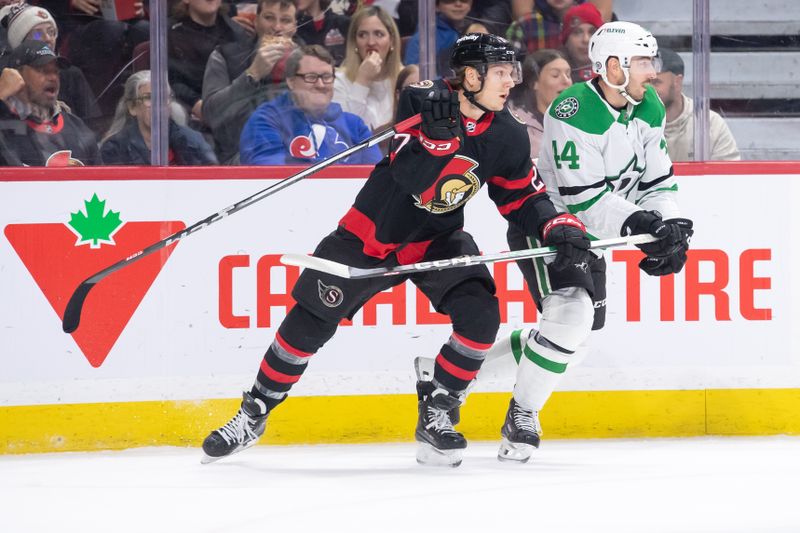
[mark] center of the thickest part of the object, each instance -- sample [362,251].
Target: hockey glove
[671,262]
[441,120]
[568,235]
[670,233]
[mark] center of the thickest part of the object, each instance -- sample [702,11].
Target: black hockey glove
[672,262]
[670,233]
[568,235]
[441,120]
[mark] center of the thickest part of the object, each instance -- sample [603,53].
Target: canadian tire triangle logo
[60,256]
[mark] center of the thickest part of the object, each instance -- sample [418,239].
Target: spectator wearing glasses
[365,82]
[304,125]
[128,140]
[318,24]
[451,21]
[25,22]
[242,75]
[35,128]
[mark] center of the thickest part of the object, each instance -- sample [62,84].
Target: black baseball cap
[672,62]
[35,54]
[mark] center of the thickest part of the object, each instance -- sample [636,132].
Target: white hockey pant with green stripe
[543,357]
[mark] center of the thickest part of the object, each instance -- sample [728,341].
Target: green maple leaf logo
[96,227]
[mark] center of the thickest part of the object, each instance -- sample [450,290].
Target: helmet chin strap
[470,95]
[621,88]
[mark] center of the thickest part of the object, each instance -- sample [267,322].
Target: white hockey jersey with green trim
[601,164]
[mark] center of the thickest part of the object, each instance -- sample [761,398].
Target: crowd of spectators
[272,81]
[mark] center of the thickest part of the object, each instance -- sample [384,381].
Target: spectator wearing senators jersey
[304,125]
[365,82]
[35,128]
[318,24]
[242,75]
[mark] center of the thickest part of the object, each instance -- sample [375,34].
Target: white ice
[719,485]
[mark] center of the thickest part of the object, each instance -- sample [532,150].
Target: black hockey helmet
[478,50]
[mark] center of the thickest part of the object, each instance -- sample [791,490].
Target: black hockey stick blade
[345,271]
[72,313]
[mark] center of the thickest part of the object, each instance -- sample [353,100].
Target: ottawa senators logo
[331,295]
[456,184]
[63,158]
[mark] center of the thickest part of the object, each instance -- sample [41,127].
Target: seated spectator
[541,26]
[128,140]
[199,27]
[35,128]
[545,73]
[99,47]
[580,23]
[679,129]
[304,125]
[365,82]
[25,22]
[317,24]
[451,20]
[241,76]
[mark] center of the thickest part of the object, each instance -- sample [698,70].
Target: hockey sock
[458,362]
[541,366]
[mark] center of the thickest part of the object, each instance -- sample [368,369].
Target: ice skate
[240,433]
[521,434]
[439,443]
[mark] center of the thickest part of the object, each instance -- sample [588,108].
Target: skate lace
[526,420]
[238,429]
[439,421]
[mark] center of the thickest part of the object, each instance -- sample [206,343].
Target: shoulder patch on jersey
[424,84]
[567,108]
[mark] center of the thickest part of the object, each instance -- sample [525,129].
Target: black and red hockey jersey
[418,192]
[64,141]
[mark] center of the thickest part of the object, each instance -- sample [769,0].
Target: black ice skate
[439,443]
[424,367]
[521,434]
[240,433]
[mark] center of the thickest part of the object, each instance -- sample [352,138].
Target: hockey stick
[345,271]
[72,313]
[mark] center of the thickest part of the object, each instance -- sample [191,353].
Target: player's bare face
[497,83]
[642,72]
[273,20]
[313,98]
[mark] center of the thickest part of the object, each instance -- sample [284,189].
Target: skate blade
[429,456]
[514,452]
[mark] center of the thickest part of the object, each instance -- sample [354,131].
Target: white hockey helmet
[623,40]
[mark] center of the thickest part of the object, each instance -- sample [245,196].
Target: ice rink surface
[658,485]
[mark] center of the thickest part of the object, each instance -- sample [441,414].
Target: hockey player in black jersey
[411,209]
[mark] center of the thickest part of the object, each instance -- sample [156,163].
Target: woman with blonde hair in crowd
[545,73]
[365,82]
[128,140]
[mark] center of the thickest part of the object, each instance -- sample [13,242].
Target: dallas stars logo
[567,108]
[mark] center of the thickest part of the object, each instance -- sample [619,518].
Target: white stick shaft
[345,271]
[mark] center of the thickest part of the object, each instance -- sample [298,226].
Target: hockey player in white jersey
[604,159]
